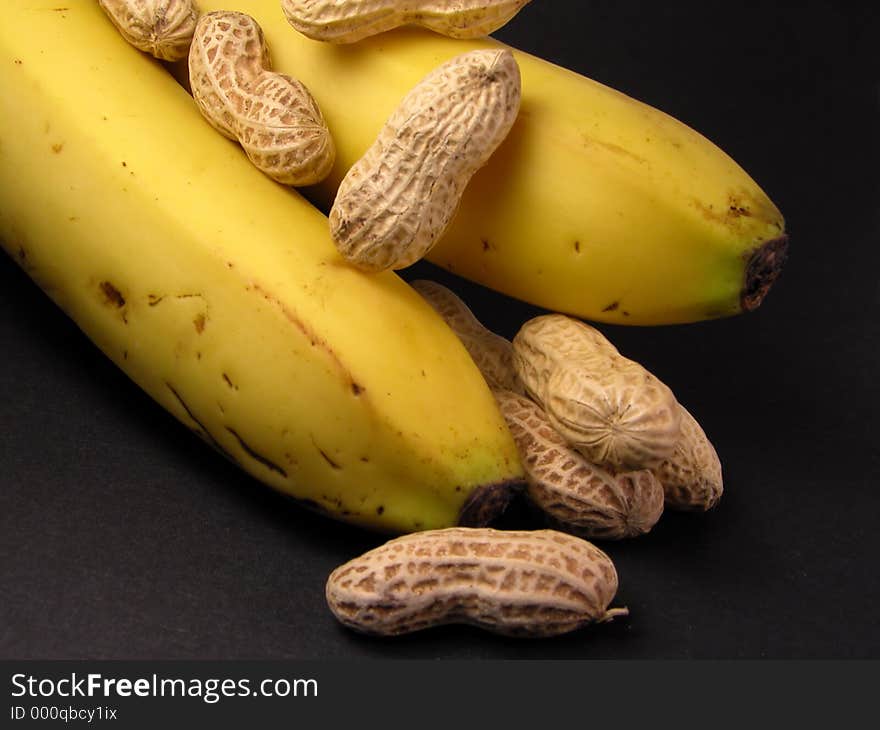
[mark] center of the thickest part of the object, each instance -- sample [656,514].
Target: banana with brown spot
[221,295]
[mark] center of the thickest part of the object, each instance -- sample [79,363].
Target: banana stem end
[763,268]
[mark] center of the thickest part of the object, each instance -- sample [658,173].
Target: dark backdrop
[123,536]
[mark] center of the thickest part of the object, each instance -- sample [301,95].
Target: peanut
[492,353]
[519,583]
[162,28]
[609,408]
[347,21]
[398,199]
[574,495]
[691,476]
[272,116]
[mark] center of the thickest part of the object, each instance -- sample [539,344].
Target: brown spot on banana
[255,455]
[313,337]
[112,295]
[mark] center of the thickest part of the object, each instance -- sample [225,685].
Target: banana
[596,205]
[220,292]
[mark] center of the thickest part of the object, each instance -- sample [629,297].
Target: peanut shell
[518,583]
[609,408]
[348,21]
[273,116]
[397,200]
[162,28]
[575,495]
[691,476]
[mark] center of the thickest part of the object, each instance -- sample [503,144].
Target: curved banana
[596,205]
[221,294]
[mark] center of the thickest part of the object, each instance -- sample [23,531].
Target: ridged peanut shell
[608,407]
[273,116]
[492,353]
[574,495]
[348,21]
[518,583]
[162,28]
[692,475]
[397,200]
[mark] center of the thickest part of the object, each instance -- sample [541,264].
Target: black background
[123,536]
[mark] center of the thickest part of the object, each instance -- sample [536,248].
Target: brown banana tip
[488,502]
[763,268]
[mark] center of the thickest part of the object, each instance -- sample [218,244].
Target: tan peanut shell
[272,116]
[606,406]
[397,200]
[691,476]
[348,21]
[492,353]
[519,583]
[162,28]
[575,495]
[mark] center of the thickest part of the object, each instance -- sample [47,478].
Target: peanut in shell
[608,407]
[162,28]
[348,21]
[574,495]
[272,115]
[399,198]
[520,583]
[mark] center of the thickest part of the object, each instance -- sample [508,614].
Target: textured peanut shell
[518,583]
[273,116]
[348,21]
[492,353]
[162,28]
[575,495]
[396,201]
[692,475]
[609,408]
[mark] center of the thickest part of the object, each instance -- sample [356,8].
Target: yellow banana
[596,205]
[221,294]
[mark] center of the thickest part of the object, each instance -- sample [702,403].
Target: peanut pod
[162,28]
[574,495]
[691,476]
[396,201]
[519,583]
[272,116]
[348,21]
[606,406]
